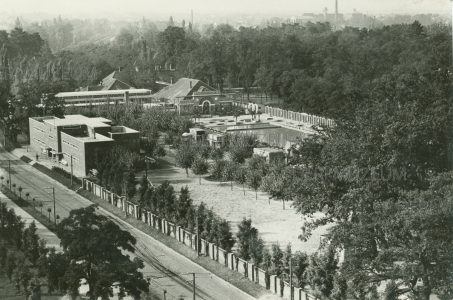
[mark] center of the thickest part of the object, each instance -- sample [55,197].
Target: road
[167,269]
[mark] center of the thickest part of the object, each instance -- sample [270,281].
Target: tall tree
[96,244]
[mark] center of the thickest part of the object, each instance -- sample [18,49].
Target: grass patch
[58,177]
[25,159]
[28,207]
[226,274]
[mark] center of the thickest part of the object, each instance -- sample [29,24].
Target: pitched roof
[111,82]
[182,88]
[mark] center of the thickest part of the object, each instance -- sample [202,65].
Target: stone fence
[227,259]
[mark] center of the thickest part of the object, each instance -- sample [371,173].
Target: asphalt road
[168,270]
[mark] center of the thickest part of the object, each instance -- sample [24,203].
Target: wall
[38,134]
[129,140]
[298,117]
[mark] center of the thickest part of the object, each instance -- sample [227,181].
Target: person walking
[37,156]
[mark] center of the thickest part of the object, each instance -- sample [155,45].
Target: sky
[91,8]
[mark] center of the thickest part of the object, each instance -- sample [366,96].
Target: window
[38,140]
[38,129]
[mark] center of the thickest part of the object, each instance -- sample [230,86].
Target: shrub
[66,174]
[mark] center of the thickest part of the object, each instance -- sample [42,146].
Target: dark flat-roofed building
[77,138]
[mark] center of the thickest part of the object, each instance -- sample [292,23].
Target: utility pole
[9,171]
[54,218]
[125,198]
[71,172]
[193,286]
[54,214]
[198,242]
[290,278]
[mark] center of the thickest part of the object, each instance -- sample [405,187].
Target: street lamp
[53,192]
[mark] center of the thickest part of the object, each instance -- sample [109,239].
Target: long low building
[111,97]
[76,138]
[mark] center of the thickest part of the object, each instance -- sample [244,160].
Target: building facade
[75,139]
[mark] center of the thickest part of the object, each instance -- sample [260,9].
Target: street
[167,269]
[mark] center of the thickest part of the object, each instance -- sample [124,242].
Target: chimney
[336,12]
[190,84]
[171,80]
[119,69]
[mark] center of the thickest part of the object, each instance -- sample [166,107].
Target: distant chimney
[190,84]
[171,80]
[336,11]
[119,69]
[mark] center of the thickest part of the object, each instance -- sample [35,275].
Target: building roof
[182,88]
[71,120]
[269,150]
[111,82]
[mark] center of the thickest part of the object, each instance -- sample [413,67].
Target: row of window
[68,157]
[38,140]
[94,97]
[104,100]
[37,128]
[70,144]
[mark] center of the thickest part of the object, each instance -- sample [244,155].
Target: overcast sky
[178,7]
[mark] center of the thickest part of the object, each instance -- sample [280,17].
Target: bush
[66,174]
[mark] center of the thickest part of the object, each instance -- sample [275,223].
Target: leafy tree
[217,168]
[130,183]
[53,267]
[96,243]
[224,235]
[256,249]
[183,206]
[240,177]
[300,264]
[143,188]
[267,259]
[254,181]
[3,257]
[246,236]
[200,166]
[34,289]
[321,271]
[277,258]
[228,172]
[10,265]
[31,243]
[184,158]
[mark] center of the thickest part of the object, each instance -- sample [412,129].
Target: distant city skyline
[93,8]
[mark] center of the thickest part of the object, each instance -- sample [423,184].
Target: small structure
[197,133]
[216,139]
[270,154]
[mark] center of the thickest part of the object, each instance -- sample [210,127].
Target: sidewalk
[50,237]
[42,160]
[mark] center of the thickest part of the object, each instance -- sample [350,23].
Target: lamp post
[54,215]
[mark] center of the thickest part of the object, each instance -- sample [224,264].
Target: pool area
[270,134]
